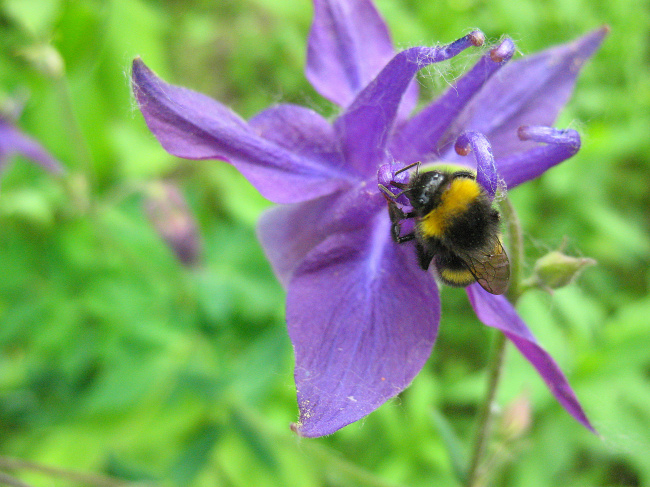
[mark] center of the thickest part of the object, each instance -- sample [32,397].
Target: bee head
[424,189]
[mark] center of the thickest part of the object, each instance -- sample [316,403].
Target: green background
[116,360]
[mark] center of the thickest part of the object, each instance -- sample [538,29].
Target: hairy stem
[475,474]
[488,408]
[516,248]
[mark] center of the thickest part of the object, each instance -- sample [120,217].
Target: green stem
[516,247]
[8,463]
[486,417]
[81,179]
[73,129]
[11,481]
[496,365]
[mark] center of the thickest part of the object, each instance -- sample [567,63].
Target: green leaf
[454,446]
[259,445]
[196,455]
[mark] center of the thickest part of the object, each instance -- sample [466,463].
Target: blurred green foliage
[117,360]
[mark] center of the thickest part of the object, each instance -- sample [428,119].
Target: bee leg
[425,255]
[394,212]
[401,238]
[396,217]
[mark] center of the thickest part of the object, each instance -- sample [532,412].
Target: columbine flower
[13,141]
[362,315]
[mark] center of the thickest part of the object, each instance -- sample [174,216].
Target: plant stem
[8,463]
[11,481]
[496,365]
[74,130]
[516,248]
[80,180]
[487,410]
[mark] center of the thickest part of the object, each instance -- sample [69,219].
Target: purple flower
[362,315]
[13,141]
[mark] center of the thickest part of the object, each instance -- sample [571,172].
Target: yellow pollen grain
[454,200]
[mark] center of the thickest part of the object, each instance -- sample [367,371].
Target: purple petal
[418,139]
[486,170]
[301,131]
[348,45]
[13,141]
[362,319]
[520,167]
[194,126]
[531,91]
[497,312]
[365,127]
[289,232]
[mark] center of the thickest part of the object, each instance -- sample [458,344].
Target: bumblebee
[455,228]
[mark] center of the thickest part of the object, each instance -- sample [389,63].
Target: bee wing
[490,269]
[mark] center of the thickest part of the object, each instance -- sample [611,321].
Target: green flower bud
[556,270]
[46,59]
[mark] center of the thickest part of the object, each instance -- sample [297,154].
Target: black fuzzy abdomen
[472,228]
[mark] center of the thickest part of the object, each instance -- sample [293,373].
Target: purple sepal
[530,91]
[348,45]
[13,141]
[355,345]
[286,244]
[365,127]
[520,167]
[418,139]
[486,171]
[194,126]
[301,131]
[497,312]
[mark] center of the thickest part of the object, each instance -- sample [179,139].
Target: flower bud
[516,418]
[556,270]
[46,59]
[168,211]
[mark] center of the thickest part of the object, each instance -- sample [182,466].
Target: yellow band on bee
[460,278]
[453,201]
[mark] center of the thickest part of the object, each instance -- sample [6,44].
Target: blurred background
[123,359]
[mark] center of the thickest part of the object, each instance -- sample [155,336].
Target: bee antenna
[406,168]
